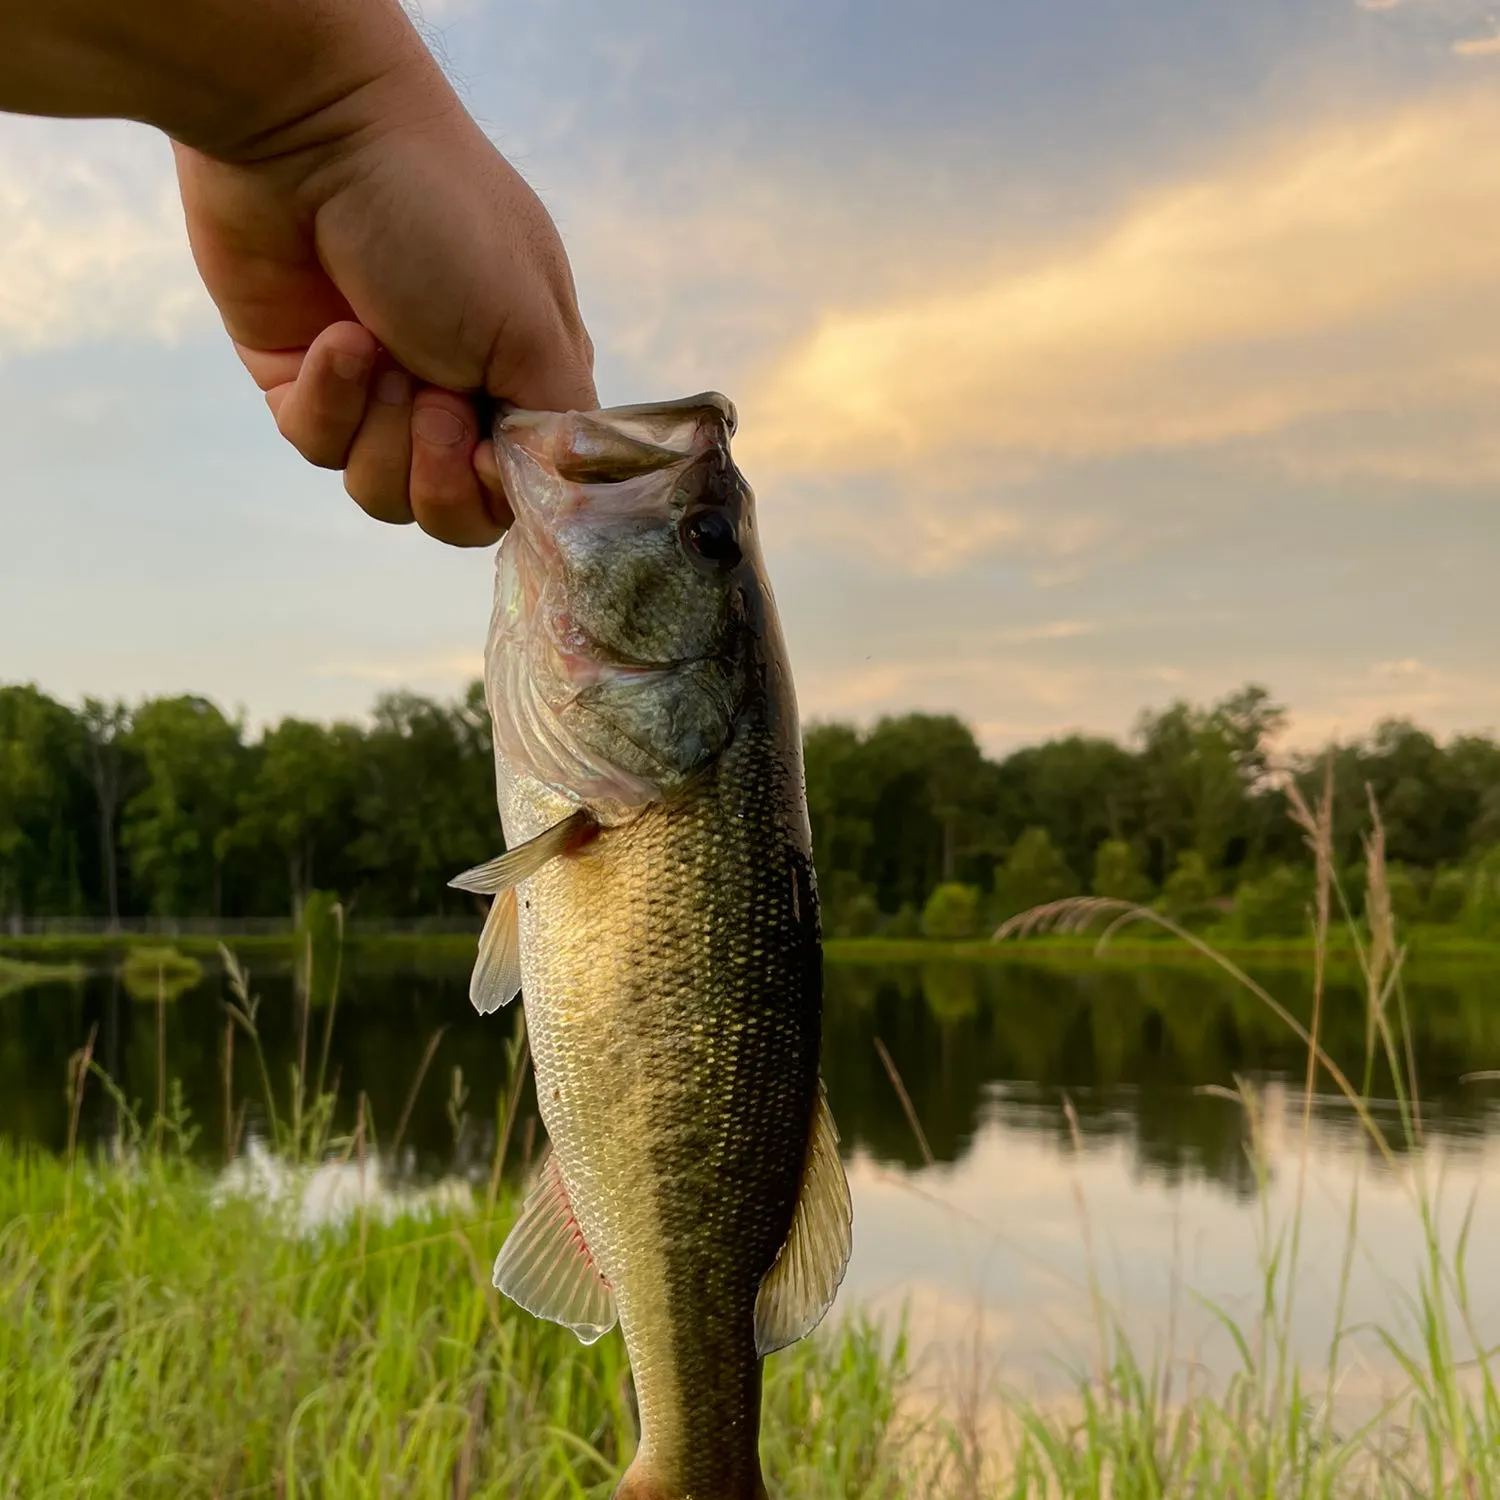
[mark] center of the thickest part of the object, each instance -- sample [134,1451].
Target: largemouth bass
[658,908]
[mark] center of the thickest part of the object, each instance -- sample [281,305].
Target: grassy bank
[1141,944]
[157,1340]
[156,1343]
[1425,946]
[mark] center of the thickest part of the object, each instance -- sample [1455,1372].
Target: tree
[1481,914]
[952,912]
[1189,888]
[1445,900]
[425,801]
[1117,873]
[1276,905]
[902,808]
[301,800]
[179,827]
[1081,789]
[1033,874]
[38,848]
[106,728]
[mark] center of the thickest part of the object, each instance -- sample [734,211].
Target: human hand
[373,265]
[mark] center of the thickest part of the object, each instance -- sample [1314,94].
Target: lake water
[1070,1112]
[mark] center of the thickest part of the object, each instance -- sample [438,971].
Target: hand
[375,274]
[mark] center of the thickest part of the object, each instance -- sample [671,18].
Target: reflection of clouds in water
[1000,1240]
[329,1195]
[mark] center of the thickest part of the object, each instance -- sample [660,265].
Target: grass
[1427,945]
[155,1342]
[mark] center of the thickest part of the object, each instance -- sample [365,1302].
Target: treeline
[172,809]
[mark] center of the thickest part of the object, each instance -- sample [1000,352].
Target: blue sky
[1087,356]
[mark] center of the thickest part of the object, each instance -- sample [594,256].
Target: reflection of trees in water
[1129,1046]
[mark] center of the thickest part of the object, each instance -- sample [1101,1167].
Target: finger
[553,373]
[377,475]
[487,468]
[325,406]
[271,368]
[446,496]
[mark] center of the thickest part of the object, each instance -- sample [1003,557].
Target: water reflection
[1155,1192]
[975,1044]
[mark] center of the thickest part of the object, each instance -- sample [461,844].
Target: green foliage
[1117,873]
[179,826]
[1481,910]
[157,1342]
[1033,874]
[909,805]
[1275,905]
[1189,888]
[850,909]
[907,923]
[170,808]
[41,802]
[952,912]
[1446,896]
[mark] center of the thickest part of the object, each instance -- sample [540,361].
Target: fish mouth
[559,463]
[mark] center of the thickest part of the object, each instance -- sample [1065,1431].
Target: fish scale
[664,970]
[658,908]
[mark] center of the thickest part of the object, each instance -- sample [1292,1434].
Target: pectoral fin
[545,1267]
[804,1279]
[496,979]
[515,865]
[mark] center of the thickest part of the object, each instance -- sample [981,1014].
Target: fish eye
[709,534]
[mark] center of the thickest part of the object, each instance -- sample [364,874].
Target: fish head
[630,603]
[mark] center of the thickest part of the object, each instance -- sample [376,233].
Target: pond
[1080,1140]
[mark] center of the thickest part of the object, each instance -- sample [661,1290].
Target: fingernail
[393,388]
[435,424]
[350,366]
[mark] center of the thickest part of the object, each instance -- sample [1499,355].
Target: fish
[657,909]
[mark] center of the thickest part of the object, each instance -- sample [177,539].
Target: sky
[1087,358]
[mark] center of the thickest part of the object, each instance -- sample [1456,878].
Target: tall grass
[157,1339]
[1146,1429]
[161,1337]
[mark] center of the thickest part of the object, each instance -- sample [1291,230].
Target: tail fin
[640,1483]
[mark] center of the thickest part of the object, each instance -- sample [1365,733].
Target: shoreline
[1424,946]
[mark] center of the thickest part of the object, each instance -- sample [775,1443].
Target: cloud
[92,245]
[1436,697]
[1478,46]
[1347,271]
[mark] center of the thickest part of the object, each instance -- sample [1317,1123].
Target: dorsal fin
[804,1279]
[545,1266]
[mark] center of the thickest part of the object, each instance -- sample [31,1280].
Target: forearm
[232,78]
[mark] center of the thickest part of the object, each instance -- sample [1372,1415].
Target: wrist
[357,73]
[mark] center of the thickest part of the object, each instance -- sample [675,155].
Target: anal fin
[805,1276]
[545,1266]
